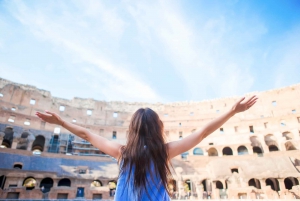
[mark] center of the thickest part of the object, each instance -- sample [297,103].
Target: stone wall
[255,154]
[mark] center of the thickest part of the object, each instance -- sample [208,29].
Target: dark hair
[145,145]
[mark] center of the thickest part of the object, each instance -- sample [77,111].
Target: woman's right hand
[50,117]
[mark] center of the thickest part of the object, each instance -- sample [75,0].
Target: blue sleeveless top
[156,191]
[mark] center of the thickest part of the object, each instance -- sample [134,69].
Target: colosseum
[255,155]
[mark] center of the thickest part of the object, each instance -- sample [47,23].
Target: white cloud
[85,42]
[206,55]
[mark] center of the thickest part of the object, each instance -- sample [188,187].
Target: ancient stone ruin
[255,155]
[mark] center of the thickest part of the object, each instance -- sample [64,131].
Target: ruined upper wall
[292,92]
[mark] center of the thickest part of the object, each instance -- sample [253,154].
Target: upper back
[154,191]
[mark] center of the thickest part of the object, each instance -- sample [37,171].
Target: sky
[150,51]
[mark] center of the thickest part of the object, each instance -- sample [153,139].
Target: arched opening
[2,181]
[198,151]
[64,182]
[273,148]
[96,183]
[227,151]
[23,141]
[289,146]
[172,186]
[185,155]
[242,150]
[46,184]
[219,185]
[257,150]
[29,183]
[212,152]
[112,185]
[288,135]
[255,183]
[289,182]
[18,166]
[270,141]
[204,184]
[273,183]
[187,186]
[38,143]
[8,137]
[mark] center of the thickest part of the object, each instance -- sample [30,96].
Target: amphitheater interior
[255,155]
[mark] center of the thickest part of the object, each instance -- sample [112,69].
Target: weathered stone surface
[261,162]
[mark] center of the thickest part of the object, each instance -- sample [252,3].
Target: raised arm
[177,147]
[111,148]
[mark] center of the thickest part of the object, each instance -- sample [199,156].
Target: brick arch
[290,146]
[242,150]
[227,151]
[212,152]
[39,143]
[288,135]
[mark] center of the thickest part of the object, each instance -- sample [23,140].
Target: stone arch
[29,183]
[289,182]
[38,143]
[23,141]
[96,183]
[8,137]
[270,140]
[242,150]
[47,183]
[112,185]
[255,183]
[212,152]
[2,181]
[273,183]
[290,146]
[288,135]
[227,151]
[219,185]
[257,150]
[172,186]
[273,148]
[187,186]
[256,145]
[198,151]
[206,185]
[64,182]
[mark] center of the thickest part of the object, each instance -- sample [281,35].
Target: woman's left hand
[242,105]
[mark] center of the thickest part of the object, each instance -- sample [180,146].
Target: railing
[54,145]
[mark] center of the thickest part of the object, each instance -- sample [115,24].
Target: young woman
[144,160]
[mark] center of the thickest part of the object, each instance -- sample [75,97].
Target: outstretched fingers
[250,104]
[243,98]
[251,99]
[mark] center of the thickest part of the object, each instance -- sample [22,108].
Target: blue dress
[156,191]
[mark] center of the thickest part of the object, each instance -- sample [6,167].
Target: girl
[144,160]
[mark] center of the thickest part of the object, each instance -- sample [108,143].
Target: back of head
[145,146]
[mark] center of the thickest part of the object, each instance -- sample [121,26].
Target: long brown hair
[145,146]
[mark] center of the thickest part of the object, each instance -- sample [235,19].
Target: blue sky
[153,51]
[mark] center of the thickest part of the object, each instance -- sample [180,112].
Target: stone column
[234,151]
[29,146]
[281,185]
[14,144]
[250,149]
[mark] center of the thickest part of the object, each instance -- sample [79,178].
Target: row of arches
[242,150]
[37,145]
[47,183]
[289,182]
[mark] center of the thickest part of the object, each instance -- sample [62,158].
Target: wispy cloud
[209,59]
[82,41]
[132,50]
